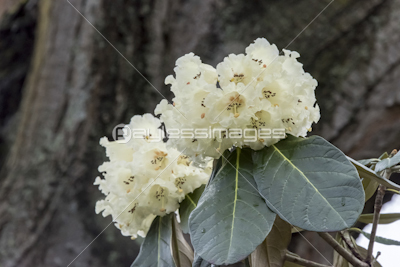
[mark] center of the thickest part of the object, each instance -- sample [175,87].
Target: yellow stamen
[237,115]
[159,159]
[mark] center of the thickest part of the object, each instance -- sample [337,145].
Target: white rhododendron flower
[257,91]
[144,179]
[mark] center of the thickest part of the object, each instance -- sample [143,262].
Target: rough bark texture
[63,87]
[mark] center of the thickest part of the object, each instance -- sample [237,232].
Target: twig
[342,251]
[303,262]
[350,244]
[377,255]
[377,211]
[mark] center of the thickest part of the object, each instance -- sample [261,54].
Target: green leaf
[296,229]
[200,262]
[271,252]
[379,239]
[387,163]
[367,162]
[370,187]
[384,218]
[367,173]
[291,264]
[187,206]
[385,155]
[231,218]
[182,252]
[309,183]
[156,250]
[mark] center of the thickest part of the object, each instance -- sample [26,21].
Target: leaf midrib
[159,241]
[191,200]
[235,200]
[305,177]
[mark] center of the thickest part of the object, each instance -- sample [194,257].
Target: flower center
[268,94]
[235,102]
[179,182]
[183,159]
[237,78]
[158,160]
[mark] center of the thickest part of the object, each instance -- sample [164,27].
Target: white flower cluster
[144,179]
[258,90]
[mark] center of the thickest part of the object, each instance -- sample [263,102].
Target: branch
[377,211]
[303,262]
[342,251]
[349,243]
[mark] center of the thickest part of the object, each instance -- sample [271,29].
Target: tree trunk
[63,86]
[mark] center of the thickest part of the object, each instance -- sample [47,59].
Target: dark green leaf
[379,239]
[383,219]
[309,183]
[387,163]
[291,264]
[385,155]
[271,252]
[296,229]
[187,206]
[182,252]
[367,173]
[367,162]
[200,262]
[370,187]
[231,218]
[156,250]
[218,163]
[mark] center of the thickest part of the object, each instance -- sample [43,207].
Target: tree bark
[77,87]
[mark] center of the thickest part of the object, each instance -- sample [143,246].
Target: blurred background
[63,87]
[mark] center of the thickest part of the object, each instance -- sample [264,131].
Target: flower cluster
[257,90]
[144,179]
